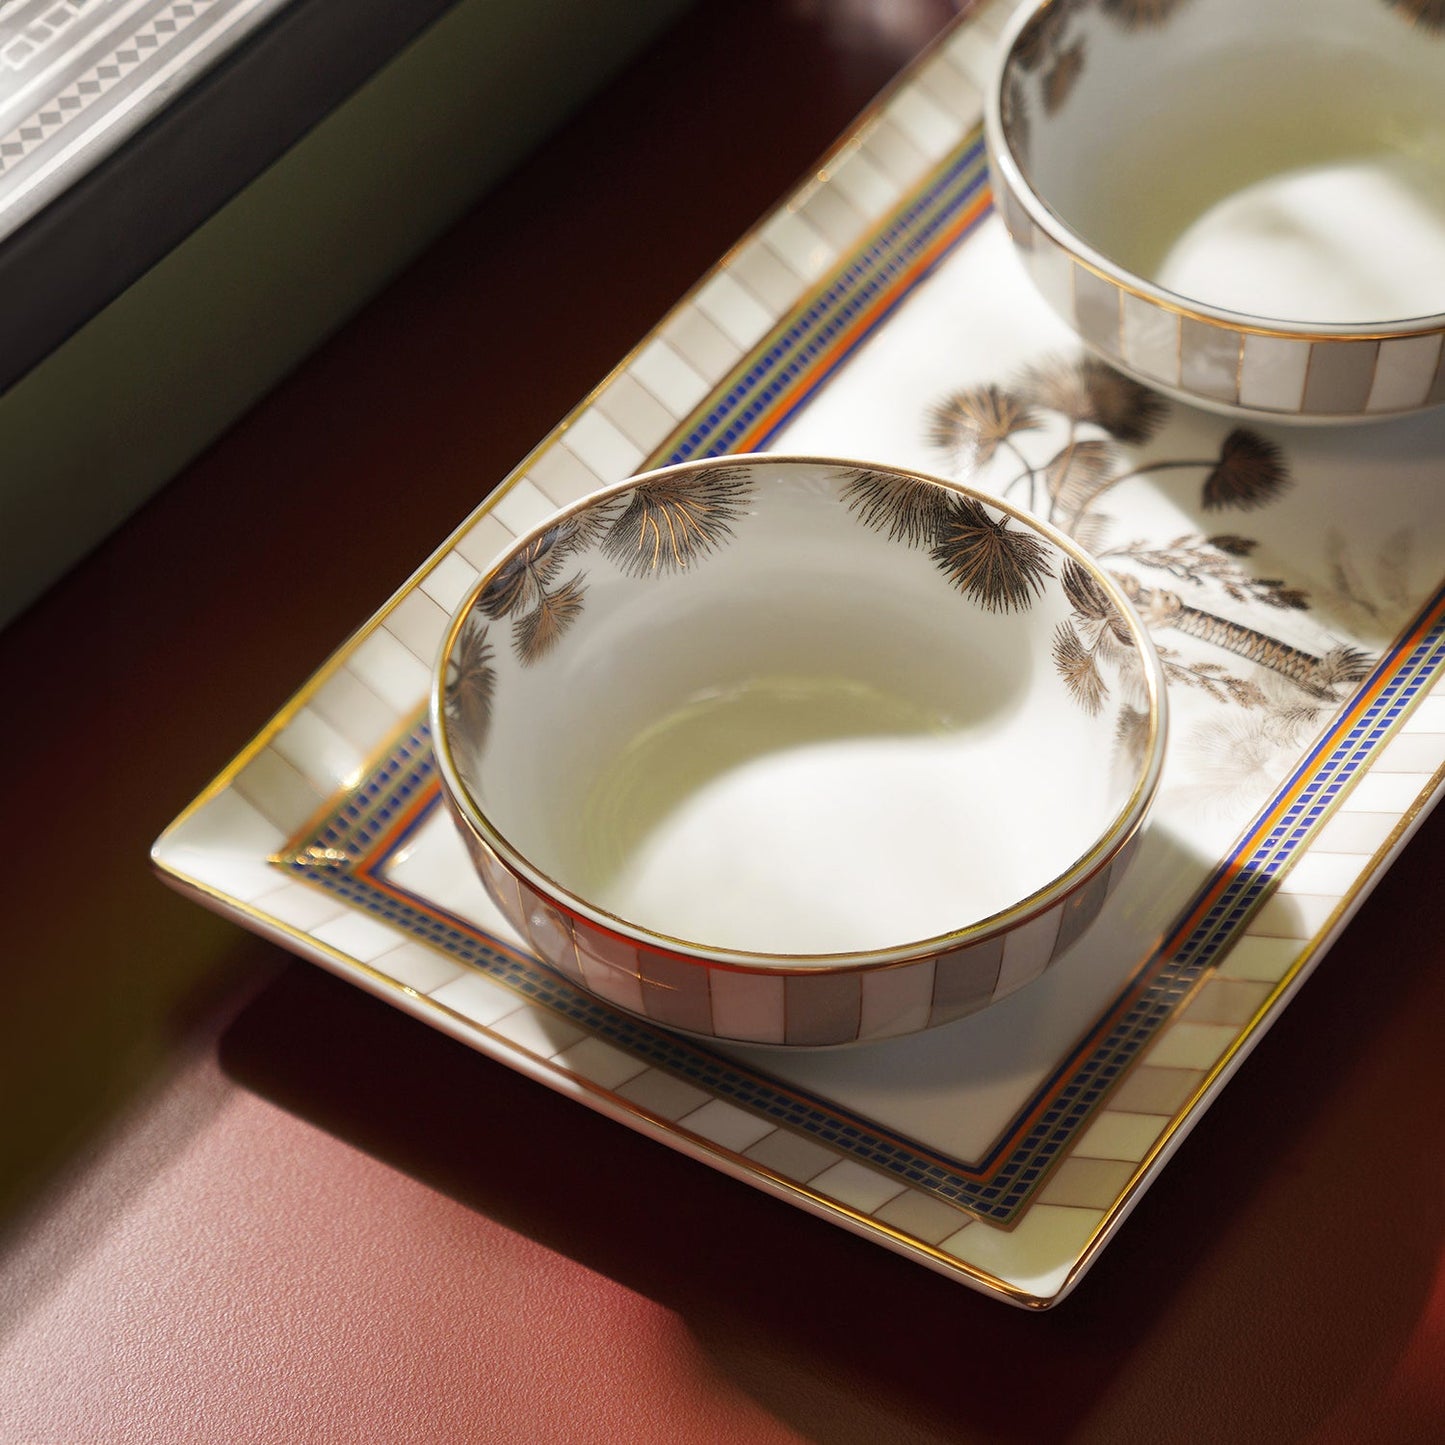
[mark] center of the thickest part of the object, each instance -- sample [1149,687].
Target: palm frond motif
[1140,14]
[1060,77]
[471,683]
[1131,735]
[519,585]
[1344,664]
[1248,471]
[1088,390]
[1125,408]
[972,424]
[538,630]
[1251,472]
[1091,603]
[1079,471]
[1000,567]
[1017,124]
[1040,36]
[670,522]
[1092,531]
[1076,665]
[911,511]
[1428,14]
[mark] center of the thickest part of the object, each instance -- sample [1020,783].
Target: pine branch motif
[910,511]
[1079,668]
[471,684]
[526,576]
[661,526]
[1000,567]
[669,523]
[1427,14]
[523,588]
[541,628]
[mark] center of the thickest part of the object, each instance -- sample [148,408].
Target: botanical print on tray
[1053,438]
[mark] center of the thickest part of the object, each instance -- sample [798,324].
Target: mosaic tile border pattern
[1325,376]
[760,396]
[320,746]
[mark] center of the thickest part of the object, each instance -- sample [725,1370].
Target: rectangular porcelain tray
[1303,624]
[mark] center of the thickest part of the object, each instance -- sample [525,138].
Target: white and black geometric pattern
[79,76]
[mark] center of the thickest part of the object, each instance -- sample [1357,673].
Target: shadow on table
[1272,1278]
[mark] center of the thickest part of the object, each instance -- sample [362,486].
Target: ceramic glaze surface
[798,712]
[779,790]
[1230,198]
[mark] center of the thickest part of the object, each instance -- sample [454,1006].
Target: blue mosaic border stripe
[875,272]
[406,773]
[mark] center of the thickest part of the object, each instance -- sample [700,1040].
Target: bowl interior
[1264,157]
[795,708]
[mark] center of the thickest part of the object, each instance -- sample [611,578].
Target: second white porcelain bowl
[1238,202]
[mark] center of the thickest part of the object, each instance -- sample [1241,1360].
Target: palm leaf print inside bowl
[793,750]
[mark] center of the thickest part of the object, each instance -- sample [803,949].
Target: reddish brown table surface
[243,1201]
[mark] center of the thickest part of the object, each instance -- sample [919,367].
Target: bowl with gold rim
[796,751]
[1240,203]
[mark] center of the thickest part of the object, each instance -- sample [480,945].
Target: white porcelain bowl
[1239,202]
[793,751]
